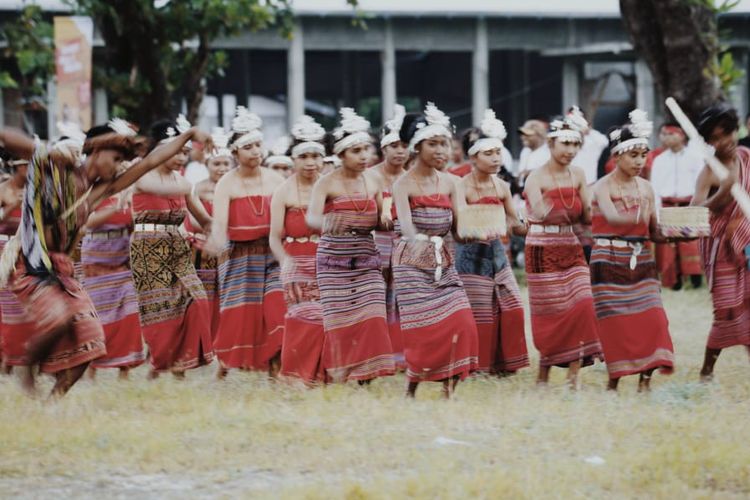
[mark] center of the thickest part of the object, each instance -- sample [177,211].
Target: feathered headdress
[493,133]
[393,126]
[308,136]
[569,128]
[247,124]
[435,123]
[352,131]
[633,135]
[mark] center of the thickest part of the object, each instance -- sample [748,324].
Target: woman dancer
[347,205]
[633,327]
[251,325]
[294,244]
[440,335]
[173,307]
[481,257]
[563,321]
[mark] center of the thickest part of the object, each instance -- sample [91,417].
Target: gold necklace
[258,212]
[432,197]
[299,195]
[637,202]
[559,191]
[477,189]
[367,197]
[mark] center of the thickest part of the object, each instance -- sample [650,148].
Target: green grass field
[248,437]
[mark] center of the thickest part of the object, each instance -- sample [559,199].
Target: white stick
[740,195]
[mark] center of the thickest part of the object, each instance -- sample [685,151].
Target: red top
[249,218]
[600,226]
[461,170]
[295,226]
[12,221]
[487,200]
[567,207]
[121,218]
[209,206]
[155,209]
[148,201]
[346,203]
[440,201]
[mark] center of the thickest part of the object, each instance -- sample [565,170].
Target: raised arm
[17,143]
[152,160]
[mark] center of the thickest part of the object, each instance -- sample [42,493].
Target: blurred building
[524,58]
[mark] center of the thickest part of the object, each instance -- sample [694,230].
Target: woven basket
[481,222]
[684,222]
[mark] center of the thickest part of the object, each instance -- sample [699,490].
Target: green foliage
[31,47]
[726,71]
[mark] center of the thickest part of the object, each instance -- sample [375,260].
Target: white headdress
[121,127]
[639,129]
[248,124]
[438,124]
[278,153]
[352,131]
[393,126]
[570,128]
[309,135]
[181,126]
[493,131]
[74,137]
[220,138]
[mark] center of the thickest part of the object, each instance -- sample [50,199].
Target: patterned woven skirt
[440,335]
[633,327]
[173,307]
[352,294]
[302,348]
[206,269]
[109,283]
[563,320]
[251,325]
[55,303]
[16,328]
[730,295]
[496,304]
[384,240]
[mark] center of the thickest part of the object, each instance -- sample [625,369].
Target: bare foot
[92,373]
[124,374]
[153,374]
[222,373]
[179,375]
[27,380]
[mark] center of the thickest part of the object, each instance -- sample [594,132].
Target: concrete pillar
[480,69]
[739,92]
[101,111]
[645,93]
[296,75]
[388,73]
[570,84]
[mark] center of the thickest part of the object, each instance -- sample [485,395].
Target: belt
[107,235]
[538,228]
[5,237]
[438,242]
[169,228]
[637,247]
[314,238]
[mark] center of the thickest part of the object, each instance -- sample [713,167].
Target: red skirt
[55,303]
[563,321]
[251,325]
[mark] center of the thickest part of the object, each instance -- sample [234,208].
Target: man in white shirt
[673,176]
[535,152]
[594,142]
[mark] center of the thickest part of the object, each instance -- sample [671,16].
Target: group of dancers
[345,270]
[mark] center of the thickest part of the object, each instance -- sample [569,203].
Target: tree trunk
[195,86]
[679,42]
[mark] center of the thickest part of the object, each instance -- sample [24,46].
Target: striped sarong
[496,304]
[352,293]
[440,335]
[251,324]
[109,282]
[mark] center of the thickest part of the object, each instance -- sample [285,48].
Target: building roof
[432,8]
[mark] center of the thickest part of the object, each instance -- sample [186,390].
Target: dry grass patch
[505,438]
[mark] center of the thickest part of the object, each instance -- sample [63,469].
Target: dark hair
[102,137]
[720,115]
[158,130]
[625,135]
[409,126]
[469,137]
